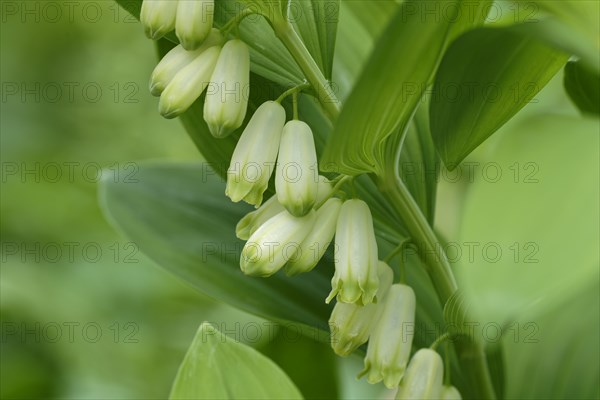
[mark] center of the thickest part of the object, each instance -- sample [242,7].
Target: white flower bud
[351,324]
[324,189]
[194,22]
[313,247]
[296,179]
[355,279]
[158,17]
[254,157]
[227,98]
[424,376]
[176,59]
[450,393]
[253,220]
[188,84]
[391,339]
[274,243]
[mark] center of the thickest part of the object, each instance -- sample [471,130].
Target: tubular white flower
[227,97]
[351,324]
[325,188]
[391,339]
[253,159]
[272,245]
[297,179]
[423,379]
[450,393]
[188,84]
[158,17]
[313,247]
[253,220]
[355,279]
[194,22]
[177,59]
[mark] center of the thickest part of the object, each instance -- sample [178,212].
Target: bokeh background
[84,314]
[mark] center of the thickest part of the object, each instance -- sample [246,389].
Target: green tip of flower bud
[450,393]
[220,131]
[194,21]
[273,243]
[188,84]
[158,17]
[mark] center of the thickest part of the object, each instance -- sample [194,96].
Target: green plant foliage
[540,264]
[583,86]
[316,22]
[487,75]
[574,26]
[556,355]
[391,85]
[179,217]
[218,367]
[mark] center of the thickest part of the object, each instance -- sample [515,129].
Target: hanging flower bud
[351,324]
[274,243]
[188,84]
[391,338]
[423,379]
[194,22]
[253,220]
[450,393]
[296,179]
[177,59]
[226,100]
[158,17]
[355,279]
[254,156]
[313,247]
[324,189]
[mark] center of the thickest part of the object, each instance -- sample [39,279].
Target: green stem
[471,355]
[285,32]
[423,237]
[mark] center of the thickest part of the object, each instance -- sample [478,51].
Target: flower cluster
[292,229]
[203,59]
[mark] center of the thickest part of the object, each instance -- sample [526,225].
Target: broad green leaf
[575,26]
[179,216]
[486,76]
[391,85]
[583,87]
[310,364]
[316,22]
[217,367]
[361,23]
[556,355]
[539,195]
[419,163]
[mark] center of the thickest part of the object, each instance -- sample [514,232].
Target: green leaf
[316,22]
[534,247]
[419,163]
[574,26]
[557,355]
[485,78]
[390,86]
[217,367]
[361,23]
[583,86]
[310,364]
[179,217]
